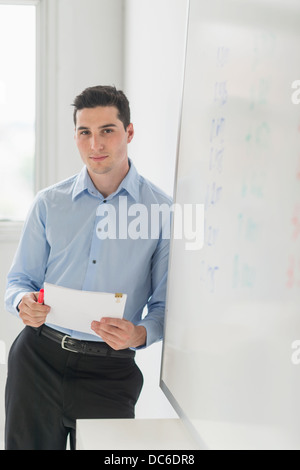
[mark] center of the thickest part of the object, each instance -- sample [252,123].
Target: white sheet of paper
[76,309]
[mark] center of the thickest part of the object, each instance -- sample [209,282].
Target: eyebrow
[81,128]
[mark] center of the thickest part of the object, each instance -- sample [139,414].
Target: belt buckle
[65,347]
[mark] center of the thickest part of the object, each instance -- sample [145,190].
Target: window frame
[45,168]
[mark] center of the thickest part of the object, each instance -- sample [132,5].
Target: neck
[107,183]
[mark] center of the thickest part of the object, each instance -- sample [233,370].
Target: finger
[35,322]
[36,306]
[115,322]
[30,305]
[121,332]
[116,346]
[31,312]
[113,336]
[114,342]
[107,331]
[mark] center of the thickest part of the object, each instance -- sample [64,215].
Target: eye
[108,131]
[84,132]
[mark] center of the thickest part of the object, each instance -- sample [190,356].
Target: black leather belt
[90,348]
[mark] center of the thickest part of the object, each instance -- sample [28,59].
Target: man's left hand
[119,333]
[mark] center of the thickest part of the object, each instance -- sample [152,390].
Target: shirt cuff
[17,300]
[154,333]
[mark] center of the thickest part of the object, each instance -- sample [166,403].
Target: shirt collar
[130,183]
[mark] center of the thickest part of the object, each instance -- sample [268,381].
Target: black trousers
[48,388]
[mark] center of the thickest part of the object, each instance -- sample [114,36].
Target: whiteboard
[233,307]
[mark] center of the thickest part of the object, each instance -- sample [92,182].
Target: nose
[96,143]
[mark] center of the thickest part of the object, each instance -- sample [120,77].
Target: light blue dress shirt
[60,245]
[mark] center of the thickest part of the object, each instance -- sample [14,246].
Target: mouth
[98,158]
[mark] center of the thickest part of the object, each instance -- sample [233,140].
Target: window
[17,108]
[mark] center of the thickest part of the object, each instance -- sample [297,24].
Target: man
[54,379]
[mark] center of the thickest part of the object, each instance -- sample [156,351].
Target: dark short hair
[103,96]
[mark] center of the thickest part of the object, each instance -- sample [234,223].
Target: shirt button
[104,201]
[94,261]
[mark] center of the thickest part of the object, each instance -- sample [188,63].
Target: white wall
[155,32]
[90,52]
[154,56]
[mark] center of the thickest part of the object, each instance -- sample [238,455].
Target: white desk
[133,434]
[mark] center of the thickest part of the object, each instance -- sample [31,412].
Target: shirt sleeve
[27,272]
[154,320]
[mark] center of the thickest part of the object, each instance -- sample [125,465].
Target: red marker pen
[41,297]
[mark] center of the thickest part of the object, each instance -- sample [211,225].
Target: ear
[130,133]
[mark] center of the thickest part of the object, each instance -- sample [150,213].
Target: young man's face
[102,140]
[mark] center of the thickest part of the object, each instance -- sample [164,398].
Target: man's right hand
[31,312]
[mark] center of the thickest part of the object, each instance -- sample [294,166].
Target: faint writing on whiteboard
[217,149]
[211,235]
[248,227]
[293,272]
[244,274]
[295,358]
[221,93]
[208,273]
[216,158]
[258,137]
[296,222]
[296,93]
[213,194]
[259,92]
[253,184]
[217,129]
[223,55]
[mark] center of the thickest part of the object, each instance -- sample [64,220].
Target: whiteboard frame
[162,384]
